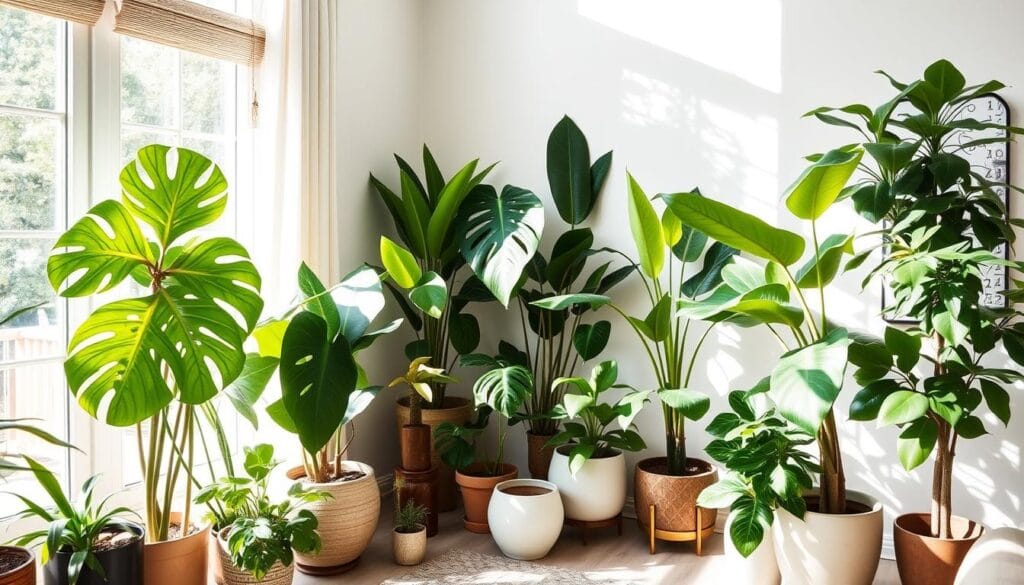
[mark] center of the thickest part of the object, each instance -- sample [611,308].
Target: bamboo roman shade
[193,27]
[83,11]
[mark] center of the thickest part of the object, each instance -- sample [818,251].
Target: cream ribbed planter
[596,492]
[346,521]
[277,575]
[760,568]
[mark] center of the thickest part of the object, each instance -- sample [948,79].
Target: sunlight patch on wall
[739,37]
[746,148]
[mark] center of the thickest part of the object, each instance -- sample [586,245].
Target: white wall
[687,93]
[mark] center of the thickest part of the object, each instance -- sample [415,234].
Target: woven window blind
[193,27]
[83,11]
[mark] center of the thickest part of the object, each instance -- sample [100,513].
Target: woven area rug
[459,567]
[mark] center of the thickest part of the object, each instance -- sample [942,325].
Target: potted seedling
[589,467]
[445,226]
[942,225]
[409,537]
[259,535]
[84,543]
[153,361]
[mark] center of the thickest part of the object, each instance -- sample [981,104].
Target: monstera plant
[156,356]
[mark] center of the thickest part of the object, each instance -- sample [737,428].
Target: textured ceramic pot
[121,566]
[277,575]
[538,455]
[924,560]
[596,492]
[457,410]
[476,493]
[758,568]
[996,558]
[674,496]
[346,520]
[22,574]
[526,517]
[838,549]
[181,561]
[409,548]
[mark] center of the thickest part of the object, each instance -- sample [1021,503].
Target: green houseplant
[83,542]
[154,360]
[409,536]
[589,467]
[942,223]
[259,534]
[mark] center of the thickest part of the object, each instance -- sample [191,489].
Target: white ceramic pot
[997,558]
[596,492]
[760,568]
[836,549]
[525,517]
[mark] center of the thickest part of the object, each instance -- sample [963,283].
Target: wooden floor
[622,558]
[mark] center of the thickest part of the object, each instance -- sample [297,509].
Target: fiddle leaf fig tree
[942,223]
[154,357]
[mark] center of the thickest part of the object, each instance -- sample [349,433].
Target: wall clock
[991,161]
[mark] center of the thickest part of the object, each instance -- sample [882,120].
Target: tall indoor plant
[941,225]
[154,360]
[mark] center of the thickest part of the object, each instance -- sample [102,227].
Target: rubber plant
[676,264]
[155,360]
[447,225]
[941,223]
[760,293]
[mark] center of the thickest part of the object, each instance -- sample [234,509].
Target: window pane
[37,392]
[134,139]
[149,83]
[23,282]
[208,92]
[31,59]
[29,163]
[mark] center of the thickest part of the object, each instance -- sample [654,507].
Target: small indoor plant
[83,543]
[941,225]
[154,361]
[445,226]
[259,535]
[409,537]
[589,467]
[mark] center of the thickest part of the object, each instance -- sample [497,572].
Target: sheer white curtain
[296,175]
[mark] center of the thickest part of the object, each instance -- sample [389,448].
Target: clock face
[991,161]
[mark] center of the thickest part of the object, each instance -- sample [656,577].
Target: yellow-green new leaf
[400,263]
[646,228]
[820,184]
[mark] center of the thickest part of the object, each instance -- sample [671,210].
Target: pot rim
[298,472]
[506,469]
[858,496]
[178,516]
[138,529]
[422,528]
[980,528]
[617,454]
[455,402]
[552,488]
[29,561]
[638,468]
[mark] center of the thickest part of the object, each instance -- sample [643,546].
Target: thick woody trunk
[832,497]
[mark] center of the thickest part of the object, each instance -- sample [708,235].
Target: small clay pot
[538,456]
[476,492]
[415,442]
[24,573]
[181,561]
[456,410]
[925,560]
[409,548]
[674,496]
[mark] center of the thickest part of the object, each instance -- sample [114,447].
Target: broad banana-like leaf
[646,229]
[806,381]
[448,203]
[820,184]
[400,263]
[569,173]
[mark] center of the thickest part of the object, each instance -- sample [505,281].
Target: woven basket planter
[277,575]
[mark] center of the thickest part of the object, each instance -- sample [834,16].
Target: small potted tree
[409,537]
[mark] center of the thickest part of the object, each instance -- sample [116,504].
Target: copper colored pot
[539,456]
[23,574]
[457,410]
[674,497]
[181,561]
[924,560]
[476,493]
[415,442]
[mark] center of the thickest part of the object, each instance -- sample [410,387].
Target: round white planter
[525,527]
[596,492]
[838,549]
[760,568]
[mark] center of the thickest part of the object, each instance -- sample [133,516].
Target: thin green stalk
[817,271]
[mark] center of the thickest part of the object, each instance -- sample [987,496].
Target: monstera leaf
[499,234]
[183,340]
[504,389]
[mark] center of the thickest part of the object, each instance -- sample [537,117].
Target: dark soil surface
[11,559]
[114,539]
[346,476]
[852,507]
[693,467]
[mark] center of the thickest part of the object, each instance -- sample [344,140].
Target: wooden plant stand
[585,525]
[702,532]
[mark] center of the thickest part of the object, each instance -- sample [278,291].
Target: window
[33,195]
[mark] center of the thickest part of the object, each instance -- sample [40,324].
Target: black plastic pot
[123,565]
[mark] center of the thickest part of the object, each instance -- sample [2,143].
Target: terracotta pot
[538,456]
[838,549]
[525,517]
[674,497]
[922,559]
[476,493]
[213,561]
[416,451]
[23,574]
[409,548]
[457,410]
[346,521]
[181,561]
[277,575]
[420,487]
[596,492]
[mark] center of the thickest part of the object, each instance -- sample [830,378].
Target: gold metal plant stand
[655,534]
